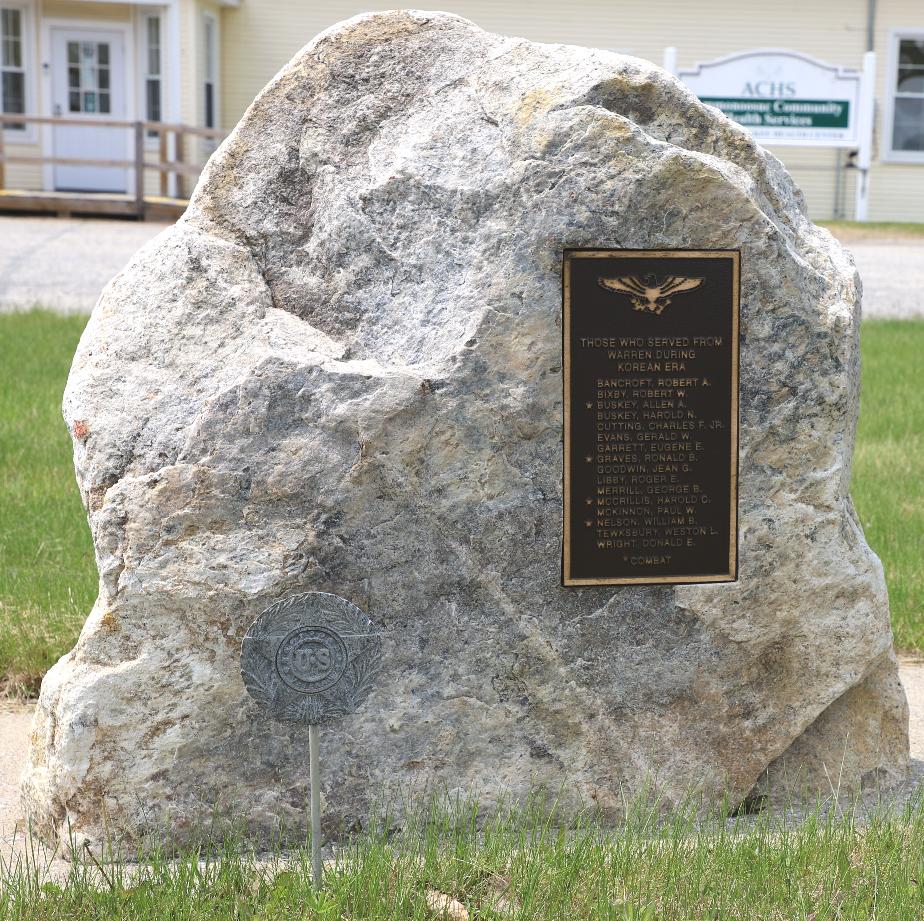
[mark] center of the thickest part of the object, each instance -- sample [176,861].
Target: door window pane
[87,71]
[89,78]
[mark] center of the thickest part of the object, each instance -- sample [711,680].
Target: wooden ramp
[170,164]
[90,204]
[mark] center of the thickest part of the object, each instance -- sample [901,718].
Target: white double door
[88,83]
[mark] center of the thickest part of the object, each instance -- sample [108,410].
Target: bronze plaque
[651,416]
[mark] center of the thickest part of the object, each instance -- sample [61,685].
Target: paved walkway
[64,264]
[893,277]
[15,720]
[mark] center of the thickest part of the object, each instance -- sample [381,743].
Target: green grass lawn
[522,865]
[888,472]
[47,575]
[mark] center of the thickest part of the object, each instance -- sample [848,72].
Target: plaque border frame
[568,254]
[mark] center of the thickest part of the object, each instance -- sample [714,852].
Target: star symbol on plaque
[589,405]
[589,458]
[589,500]
[589,522]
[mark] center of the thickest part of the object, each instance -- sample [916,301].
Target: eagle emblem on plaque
[649,294]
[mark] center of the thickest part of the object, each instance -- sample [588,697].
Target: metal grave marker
[311,658]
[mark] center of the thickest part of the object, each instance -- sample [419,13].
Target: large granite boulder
[341,371]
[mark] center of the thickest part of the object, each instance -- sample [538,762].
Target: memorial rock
[342,371]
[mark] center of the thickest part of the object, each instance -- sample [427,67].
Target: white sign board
[783,97]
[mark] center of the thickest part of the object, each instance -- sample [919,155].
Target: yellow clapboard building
[198,63]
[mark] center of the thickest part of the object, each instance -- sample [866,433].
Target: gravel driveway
[64,264]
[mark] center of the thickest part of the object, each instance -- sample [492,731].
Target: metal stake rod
[314,771]
[307,659]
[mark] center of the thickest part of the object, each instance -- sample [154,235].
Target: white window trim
[30,135]
[144,14]
[216,82]
[888,120]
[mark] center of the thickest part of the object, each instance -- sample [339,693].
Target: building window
[12,65]
[152,85]
[152,71]
[906,139]
[210,30]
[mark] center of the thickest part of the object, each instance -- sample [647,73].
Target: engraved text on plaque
[651,416]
